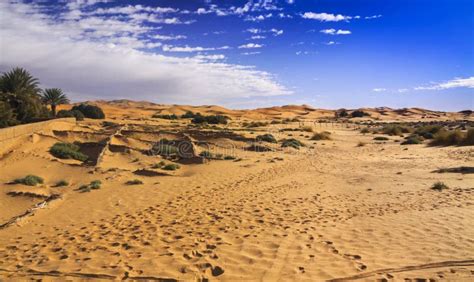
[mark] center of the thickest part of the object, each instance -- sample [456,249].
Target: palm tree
[54,97]
[20,90]
[19,81]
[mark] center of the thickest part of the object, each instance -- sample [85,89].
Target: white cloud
[216,57]
[258,18]
[250,46]
[257,37]
[276,32]
[171,48]
[373,17]
[250,53]
[332,31]
[454,83]
[325,17]
[379,89]
[331,43]
[168,37]
[62,54]
[402,90]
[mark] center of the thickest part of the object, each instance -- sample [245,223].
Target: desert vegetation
[67,151]
[29,180]
[325,135]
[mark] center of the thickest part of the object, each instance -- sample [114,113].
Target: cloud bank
[101,58]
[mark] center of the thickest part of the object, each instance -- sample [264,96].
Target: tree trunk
[53,109]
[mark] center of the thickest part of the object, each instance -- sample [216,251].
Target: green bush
[30,180]
[171,167]
[452,138]
[428,131]
[266,138]
[325,135]
[293,143]
[165,147]
[170,117]
[359,113]
[188,114]
[439,186]
[469,139]
[381,138]
[158,165]
[413,140]
[95,184]
[341,113]
[76,114]
[395,130]
[90,111]
[134,182]
[62,183]
[67,151]
[213,119]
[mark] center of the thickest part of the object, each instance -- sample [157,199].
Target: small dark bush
[428,131]
[165,148]
[266,138]
[325,135]
[381,138]
[365,130]
[213,119]
[341,113]
[452,138]
[62,183]
[255,124]
[171,167]
[170,117]
[439,186]
[90,111]
[359,113]
[95,184]
[293,143]
[158,165]
[75,113]
[188,114]
[361,144]
[413,140]
[395,130]
[469,139]
[134,182]
[229,157]
[30,180]
[67,151]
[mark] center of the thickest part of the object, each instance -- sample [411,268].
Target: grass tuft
[67,151]
[30,180]
[325,135]
[134,182]
[439,186]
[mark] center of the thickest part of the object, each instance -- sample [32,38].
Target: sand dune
[332,210]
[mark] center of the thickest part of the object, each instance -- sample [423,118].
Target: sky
[248,53]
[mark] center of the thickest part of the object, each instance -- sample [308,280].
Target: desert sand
[333,210]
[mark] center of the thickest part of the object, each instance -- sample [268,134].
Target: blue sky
[245,54]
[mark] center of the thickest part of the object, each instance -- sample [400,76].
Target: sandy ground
[332,210]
